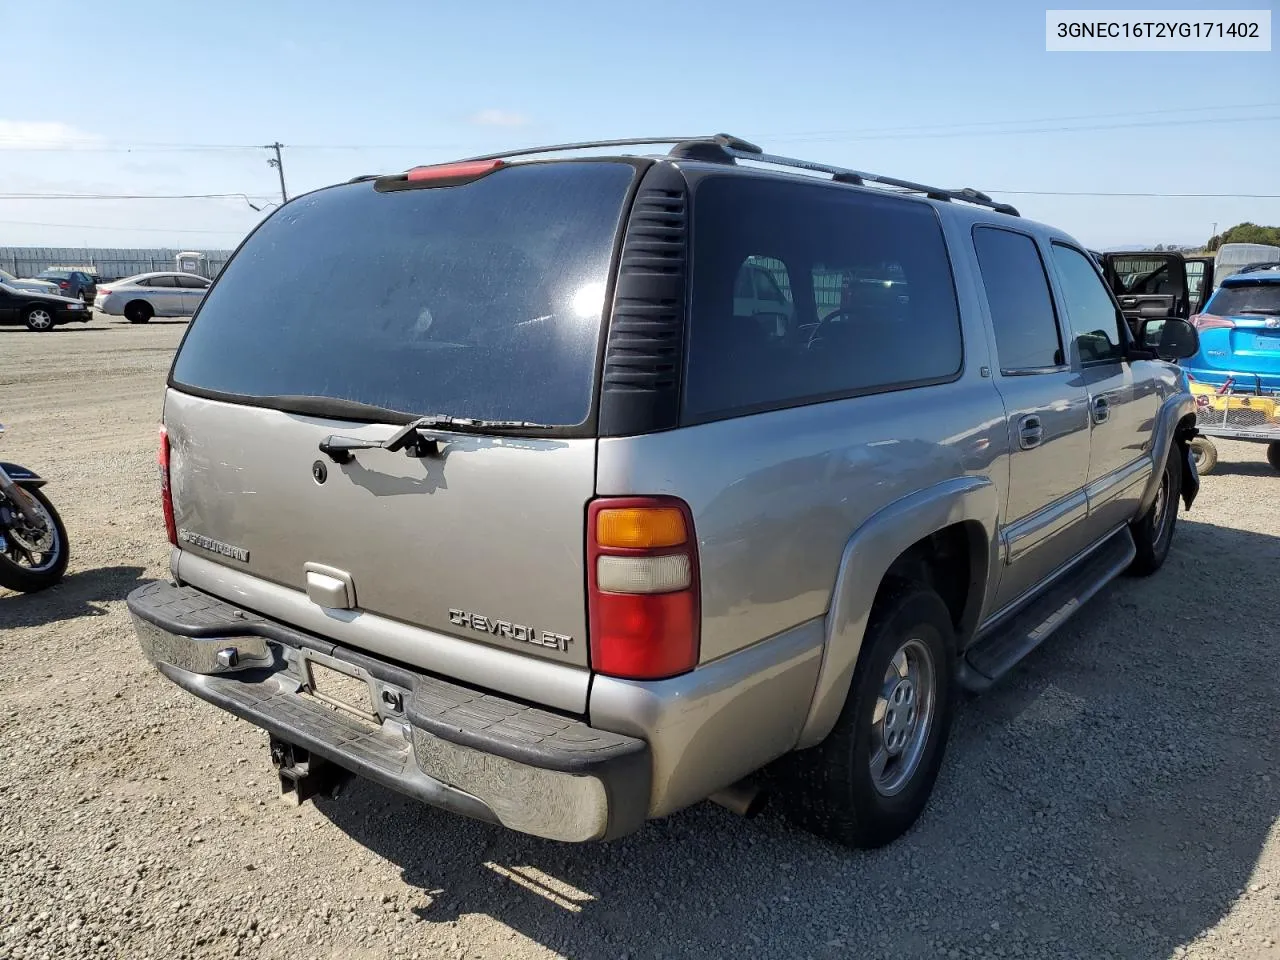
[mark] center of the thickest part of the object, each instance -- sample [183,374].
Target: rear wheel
[39,319]
[1273,453]
[138,312]
[1206,454]
[867,783]
[1153,531]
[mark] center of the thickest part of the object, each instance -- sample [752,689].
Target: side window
[1195,279]
[191,283]
[867,284]
[142,283]
[1092,315]
[162,282]
[1026,327]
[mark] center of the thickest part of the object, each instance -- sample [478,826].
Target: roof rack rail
[723,140]
[859,178]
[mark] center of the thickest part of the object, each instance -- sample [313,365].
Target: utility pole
[278,163]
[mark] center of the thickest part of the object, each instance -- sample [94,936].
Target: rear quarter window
[872,302]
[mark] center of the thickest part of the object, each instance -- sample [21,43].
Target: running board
[1008,641]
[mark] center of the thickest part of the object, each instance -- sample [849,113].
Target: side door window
[165,296]
[1025,323]
[1094,319]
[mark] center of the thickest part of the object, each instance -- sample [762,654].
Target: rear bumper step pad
[450,746]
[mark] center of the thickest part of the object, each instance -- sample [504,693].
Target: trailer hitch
[304,775]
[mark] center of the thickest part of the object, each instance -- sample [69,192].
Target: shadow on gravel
[81,594]
[1246,468]
[1109,799]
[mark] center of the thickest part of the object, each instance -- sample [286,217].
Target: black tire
[1206,455]
[15,576]
[1153,531]
[39,319]
[139,311]
[1273,453]
[830,789]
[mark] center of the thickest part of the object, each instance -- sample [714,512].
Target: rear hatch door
[350,312]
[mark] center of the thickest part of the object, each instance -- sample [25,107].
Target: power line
[1162,196]
[94,145]
[94,226]
[135,196]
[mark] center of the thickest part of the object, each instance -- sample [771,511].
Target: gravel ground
[1117,797]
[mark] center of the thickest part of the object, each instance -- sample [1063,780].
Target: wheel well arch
[951,561]
[139,302]
[946,535]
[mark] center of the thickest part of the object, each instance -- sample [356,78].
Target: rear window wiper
[416,438]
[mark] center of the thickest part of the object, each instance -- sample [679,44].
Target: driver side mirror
[1169,338]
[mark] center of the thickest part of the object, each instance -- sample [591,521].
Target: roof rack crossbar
[845,175]
[727,141]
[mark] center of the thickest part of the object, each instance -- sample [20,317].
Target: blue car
[1240,335]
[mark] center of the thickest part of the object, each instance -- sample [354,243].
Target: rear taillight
[1209,321]
[64,284]
[166,494]
[642,580]
[104,292]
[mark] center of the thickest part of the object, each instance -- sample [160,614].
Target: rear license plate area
[341,686]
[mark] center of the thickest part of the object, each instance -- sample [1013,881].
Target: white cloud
[41,134]
[494,117]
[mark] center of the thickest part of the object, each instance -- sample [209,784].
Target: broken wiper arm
[416,441]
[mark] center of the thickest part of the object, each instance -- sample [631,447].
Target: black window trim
[1122,325]
[1065,366]
[808,400]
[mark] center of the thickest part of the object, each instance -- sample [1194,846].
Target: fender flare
[867,557]
[21,475]
[1172,412]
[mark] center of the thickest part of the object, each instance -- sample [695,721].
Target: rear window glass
[1238,299]
[803,292]
[481,300]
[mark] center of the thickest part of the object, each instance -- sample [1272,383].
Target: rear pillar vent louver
[641,384]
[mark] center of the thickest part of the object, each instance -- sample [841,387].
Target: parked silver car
[147,295]
[542,524]
[45,287]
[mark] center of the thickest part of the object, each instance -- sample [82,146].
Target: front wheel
[32,558]
[1153,531]
[869,781]
[1273,453]
[39,319]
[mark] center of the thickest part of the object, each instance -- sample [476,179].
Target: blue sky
[941,92]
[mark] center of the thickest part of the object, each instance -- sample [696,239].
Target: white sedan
[148,295]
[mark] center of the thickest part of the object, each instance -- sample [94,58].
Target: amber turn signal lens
[640,528]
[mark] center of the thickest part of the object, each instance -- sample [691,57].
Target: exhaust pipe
[744,798]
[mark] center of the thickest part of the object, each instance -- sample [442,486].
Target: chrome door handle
[1101,410]
[1030,432]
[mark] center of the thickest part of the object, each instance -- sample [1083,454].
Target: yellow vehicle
[1238,410]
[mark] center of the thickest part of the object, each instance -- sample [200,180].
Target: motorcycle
[33,541]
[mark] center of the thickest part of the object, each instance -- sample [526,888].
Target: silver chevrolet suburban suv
[544,522]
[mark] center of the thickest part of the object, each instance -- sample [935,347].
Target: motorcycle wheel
[29,560]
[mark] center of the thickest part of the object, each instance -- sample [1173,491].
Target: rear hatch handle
[416,440]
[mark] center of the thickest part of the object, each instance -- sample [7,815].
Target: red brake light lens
[455,172]
[1209,321]
[166,494]
[64,284]
[643,601]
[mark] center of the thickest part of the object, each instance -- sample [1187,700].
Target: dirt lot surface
[1117,797]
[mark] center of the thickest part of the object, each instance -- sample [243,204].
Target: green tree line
[1245,233]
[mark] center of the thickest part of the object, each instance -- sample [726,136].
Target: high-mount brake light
[467,170]
[166,493]
[437,175]
[643,589]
